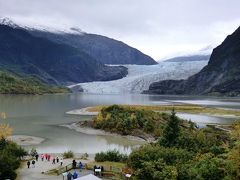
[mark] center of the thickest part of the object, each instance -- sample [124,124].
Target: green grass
[108,164]
[14,84]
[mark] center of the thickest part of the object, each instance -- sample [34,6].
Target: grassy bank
[192,109]
[14,84]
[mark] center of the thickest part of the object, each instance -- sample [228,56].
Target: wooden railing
[109,171]
[64,169]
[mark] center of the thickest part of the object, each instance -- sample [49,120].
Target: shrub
[85,156]
[112,155]
[10,155]
[171,132]
[68,154]
[124,120]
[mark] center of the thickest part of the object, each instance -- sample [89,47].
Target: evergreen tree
[171,131]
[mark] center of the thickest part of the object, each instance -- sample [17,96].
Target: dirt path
[43,166]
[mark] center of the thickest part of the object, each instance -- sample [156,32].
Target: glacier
[140,77]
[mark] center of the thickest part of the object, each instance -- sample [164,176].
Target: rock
[220,77]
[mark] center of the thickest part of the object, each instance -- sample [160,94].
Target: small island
[141,122]
[128,121]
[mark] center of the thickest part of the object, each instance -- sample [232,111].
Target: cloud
[157,27]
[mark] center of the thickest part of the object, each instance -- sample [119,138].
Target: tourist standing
[94,169]
[74,164]
[33,163]
[80,166]
[75,175]
[28,164]
[69,176]
[42,157]
[36,157]
[61,161]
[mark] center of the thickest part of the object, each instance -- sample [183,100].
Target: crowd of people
[59,160]
[56,160]
[45,157]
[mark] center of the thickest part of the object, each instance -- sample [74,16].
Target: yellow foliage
[236,131]
[108,116]
[5,130]
[99,117]
[3,115]
[133,116]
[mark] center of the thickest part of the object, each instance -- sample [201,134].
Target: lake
[41,116]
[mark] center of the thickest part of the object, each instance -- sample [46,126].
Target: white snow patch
[40,27]
[140,77]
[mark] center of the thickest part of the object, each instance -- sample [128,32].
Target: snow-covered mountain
[140,77]
[33,27]
[103,49]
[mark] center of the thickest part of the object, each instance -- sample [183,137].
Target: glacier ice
[140,77]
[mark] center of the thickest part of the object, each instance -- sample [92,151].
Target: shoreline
[25,140]
[88,111]
[85,112]
[77,126]
[82,112]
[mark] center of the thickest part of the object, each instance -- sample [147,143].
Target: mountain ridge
[51,62]
[103,49]
[220,77]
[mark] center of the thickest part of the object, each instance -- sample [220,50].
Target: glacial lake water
[41,116]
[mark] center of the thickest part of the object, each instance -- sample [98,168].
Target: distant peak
[7,22]
[77,30]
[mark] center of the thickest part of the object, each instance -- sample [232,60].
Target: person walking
[48,157]
[74,164]
[80,166]
[57,159]
[61,161]
[42,157]
[28,164]
[33,163]
[36,157]
[53,161]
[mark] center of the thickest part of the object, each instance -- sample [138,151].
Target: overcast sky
[159,28]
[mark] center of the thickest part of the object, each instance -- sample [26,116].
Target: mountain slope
[220,76]
[51,62]
[14,84]
[101,48]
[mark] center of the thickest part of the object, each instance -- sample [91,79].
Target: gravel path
[43,166]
